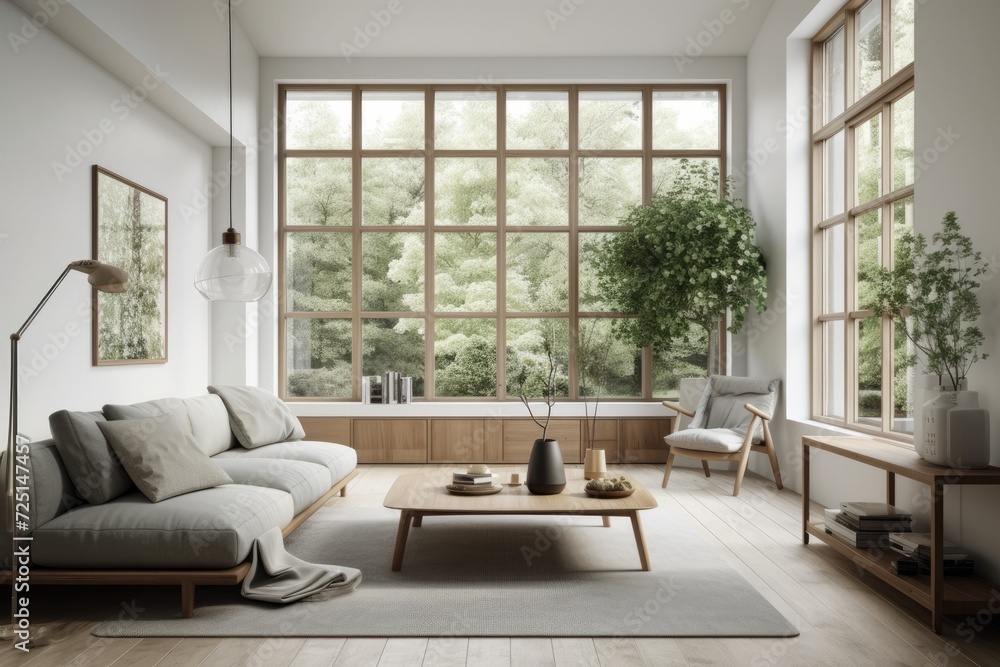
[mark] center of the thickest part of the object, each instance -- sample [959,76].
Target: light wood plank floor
[845,617]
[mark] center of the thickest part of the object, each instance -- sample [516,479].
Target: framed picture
[130,232]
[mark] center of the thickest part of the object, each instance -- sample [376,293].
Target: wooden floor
[845,618]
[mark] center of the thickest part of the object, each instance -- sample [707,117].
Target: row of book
[866,525]
[883,526]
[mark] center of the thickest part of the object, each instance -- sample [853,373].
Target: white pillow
[258,417]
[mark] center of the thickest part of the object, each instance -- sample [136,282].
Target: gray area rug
[486,576]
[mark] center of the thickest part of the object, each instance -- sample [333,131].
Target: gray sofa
[84,533]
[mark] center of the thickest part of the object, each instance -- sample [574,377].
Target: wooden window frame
[646,153]
[856,112]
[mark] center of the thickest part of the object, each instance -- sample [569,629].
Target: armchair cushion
[721,404]
[707,440]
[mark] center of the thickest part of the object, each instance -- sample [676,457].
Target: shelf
[962,595]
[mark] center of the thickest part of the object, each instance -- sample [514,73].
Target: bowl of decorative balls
[615,487]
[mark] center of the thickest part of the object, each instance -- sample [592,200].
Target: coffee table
[423,494]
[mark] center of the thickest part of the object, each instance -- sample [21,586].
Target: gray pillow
[90,462]
[206,414]
[258,417]
[162,457]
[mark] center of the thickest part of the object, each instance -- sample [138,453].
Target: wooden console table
[954,595]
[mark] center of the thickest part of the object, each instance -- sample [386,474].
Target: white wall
[55,97]
[957,61]
[467,70]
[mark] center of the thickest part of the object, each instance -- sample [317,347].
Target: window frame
[646,153]
[877,102]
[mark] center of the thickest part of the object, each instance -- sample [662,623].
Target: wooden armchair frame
[742,455]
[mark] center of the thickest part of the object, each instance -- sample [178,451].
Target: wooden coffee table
[423,494]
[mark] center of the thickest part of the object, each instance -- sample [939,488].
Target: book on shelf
[867,524]
[919,544]
[860,539]
[470,478]
[875,511]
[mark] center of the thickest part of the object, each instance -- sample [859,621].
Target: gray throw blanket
[277,576]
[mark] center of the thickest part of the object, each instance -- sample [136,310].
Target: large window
[863,183]
[447,232]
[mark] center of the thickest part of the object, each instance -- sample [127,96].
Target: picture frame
[130,232]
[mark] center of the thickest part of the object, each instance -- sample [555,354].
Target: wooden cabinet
[390,440]
[487,440]
[328,429]
[605,437]
[466,441]
[641,440]
[520,434]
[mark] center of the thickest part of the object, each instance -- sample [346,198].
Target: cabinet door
[520,434]
[390,440]
[465,441]
[605,437]
[327,429]
[641,440]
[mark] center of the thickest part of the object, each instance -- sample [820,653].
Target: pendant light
[232,272]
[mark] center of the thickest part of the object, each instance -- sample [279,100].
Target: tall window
[863,183]
[447,232]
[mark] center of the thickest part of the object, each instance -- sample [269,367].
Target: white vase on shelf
[953,429]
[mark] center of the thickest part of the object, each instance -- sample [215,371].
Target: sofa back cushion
[206,417]
[90,462]
[52,491]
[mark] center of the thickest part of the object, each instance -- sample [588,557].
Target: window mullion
[356,273]
[429,223]
[502,243]
[574,264]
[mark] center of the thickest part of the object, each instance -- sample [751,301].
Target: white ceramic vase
[954,431]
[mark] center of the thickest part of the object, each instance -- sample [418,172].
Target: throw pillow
[161,456]
[90,462]
[258,417]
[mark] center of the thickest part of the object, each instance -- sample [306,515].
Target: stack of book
[472,480]
[916,548]
[867,525]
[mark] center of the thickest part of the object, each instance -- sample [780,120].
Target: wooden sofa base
[188,580]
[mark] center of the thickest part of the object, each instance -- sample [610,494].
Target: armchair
[731,420]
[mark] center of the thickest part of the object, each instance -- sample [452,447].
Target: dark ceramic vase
[546,473]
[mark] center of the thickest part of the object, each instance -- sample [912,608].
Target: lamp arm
[41,304]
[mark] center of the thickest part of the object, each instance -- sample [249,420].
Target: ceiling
[501,28]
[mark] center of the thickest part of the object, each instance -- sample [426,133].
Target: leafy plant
[689,258]
[931,295]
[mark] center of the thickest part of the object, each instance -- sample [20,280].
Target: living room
[141,89]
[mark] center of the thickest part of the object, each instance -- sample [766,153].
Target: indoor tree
[689,259]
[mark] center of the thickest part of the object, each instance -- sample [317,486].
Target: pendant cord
[229,167]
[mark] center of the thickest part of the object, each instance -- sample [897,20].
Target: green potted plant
[689,260]
[930,294]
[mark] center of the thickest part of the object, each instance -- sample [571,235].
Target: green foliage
[689,258]
[931,295]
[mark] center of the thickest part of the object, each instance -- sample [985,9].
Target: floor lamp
[105,278]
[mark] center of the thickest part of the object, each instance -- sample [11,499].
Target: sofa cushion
[209,529]
[339,460]
[707,439]
[722,401]
[161,456]
[90,462]
[307,482]
[206,415]
[258,417]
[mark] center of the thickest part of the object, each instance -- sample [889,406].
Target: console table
[954,595]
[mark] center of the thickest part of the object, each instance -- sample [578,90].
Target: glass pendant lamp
[232,272]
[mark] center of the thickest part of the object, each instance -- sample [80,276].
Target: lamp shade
[104,277]
[232,272]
